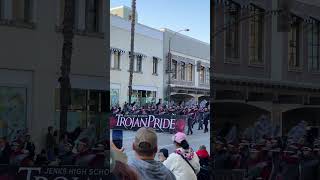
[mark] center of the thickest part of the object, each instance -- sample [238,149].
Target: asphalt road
[195,140]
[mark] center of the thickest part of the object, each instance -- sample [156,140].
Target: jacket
[180,168]
[151,170]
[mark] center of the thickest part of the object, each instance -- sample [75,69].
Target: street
[195,140]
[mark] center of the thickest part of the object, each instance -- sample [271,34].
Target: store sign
[161,123]
[56,173]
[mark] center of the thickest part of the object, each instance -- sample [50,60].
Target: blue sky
[174,14]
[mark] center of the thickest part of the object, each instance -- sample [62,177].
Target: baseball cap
[179,137]
[146,139]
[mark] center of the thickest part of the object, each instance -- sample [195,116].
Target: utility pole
[65,87]
[132,55]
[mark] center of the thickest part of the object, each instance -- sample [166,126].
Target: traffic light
[283,21]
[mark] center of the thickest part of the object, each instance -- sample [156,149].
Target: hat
[146,139]
[179,137]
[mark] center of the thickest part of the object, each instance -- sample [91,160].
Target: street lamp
[169,71]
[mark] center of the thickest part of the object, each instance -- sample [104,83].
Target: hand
[114,147]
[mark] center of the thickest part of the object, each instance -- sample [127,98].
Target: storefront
[87,106]
[144,95]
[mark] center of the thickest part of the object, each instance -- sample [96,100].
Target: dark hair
[165,152]
[122,171]
[184,144]
[50,128]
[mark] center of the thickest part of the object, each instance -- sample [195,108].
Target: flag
[297,132]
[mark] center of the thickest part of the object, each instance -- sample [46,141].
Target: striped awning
[114,50]
[138,54]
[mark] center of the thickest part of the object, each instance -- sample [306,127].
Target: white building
[148,63]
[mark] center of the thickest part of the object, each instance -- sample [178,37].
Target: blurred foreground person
[183,162]
[145,146]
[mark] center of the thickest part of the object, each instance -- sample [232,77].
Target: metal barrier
[235,174]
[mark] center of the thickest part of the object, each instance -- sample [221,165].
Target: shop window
[13,111]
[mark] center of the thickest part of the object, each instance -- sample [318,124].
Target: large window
[21,10]
[202,75]
[183,71]
[313,45]
[256,35]
[174,69]
[155,66]
[13,111]
[142,97]
[294,43]
[87,107]
[232,15]
[190,72]
[139,64]
[116,60]
[92,15]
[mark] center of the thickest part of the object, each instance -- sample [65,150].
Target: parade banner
[54,173]
[160,123]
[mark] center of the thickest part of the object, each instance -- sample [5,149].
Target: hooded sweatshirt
[151,170]
[180,168]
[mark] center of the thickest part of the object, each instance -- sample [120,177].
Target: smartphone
[117,138]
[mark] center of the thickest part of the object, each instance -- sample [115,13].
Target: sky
[174,15]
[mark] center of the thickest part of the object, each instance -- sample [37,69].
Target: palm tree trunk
[65,87]
[133,16]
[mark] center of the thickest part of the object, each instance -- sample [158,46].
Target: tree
[65,86]
[133,17]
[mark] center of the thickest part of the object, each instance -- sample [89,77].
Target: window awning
[114,50]
[157,58]
[138,54]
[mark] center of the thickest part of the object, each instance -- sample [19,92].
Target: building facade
[258,69]
[190,63]
[31,43]
[147,80]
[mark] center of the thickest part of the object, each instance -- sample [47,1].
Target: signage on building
[160,123]
[55,173]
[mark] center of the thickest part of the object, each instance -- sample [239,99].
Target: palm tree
[133,16]
[65,86]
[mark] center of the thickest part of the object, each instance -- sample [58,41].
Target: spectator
[29,146]
[184,162]
[42,159]
[163,154]
[51,144]
[203,155]
[122,171]
[4,151]
[145,147]
[67,158]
